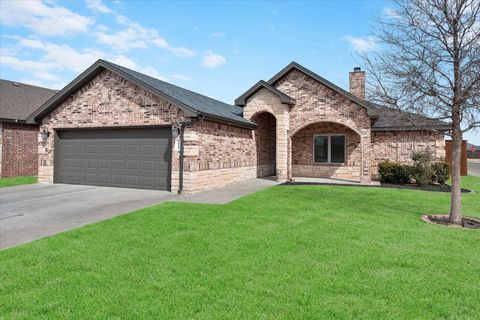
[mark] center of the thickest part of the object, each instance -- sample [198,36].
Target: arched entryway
[326,150]
[265,143]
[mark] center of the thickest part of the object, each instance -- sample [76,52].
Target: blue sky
[215,48]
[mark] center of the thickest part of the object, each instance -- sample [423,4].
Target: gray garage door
[129,158]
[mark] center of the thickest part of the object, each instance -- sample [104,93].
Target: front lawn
[325,252]
[16,181]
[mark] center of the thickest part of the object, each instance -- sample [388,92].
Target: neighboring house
[113,126]
[18,140]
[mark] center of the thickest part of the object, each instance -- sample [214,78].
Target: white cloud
[181,77]
[98,6]
[42,18]
[362,44]
[54,60]
[218,35]
[182,52]
[123,40]
[391,13]
[136,36]
[212,60]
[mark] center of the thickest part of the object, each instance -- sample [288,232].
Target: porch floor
[332,181]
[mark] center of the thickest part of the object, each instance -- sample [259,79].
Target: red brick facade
[215,154]
[18,149]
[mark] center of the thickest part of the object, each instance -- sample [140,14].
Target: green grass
[16,181]
[327,252]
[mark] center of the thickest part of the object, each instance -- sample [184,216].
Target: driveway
[35,211]
[474,167]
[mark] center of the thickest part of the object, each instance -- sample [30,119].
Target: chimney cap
[357,69]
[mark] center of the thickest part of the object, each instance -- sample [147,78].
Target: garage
[137,158]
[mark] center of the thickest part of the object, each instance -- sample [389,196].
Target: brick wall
[265,144]
[107,101]
[399,146]
[316,103]
[18,146]
[357,84]
[302,156]
[265,101]
[217,155]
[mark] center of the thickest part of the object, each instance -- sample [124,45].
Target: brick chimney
[357,83]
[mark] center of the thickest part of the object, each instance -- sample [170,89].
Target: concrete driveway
[35,211]
[474,167]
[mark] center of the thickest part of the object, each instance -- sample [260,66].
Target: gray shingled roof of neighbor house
[194,103]
[19,100]
[390,119]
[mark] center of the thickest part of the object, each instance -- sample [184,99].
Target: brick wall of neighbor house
[107,101]
[302,153]
[19,155]
[315,103]
[398,146]
[217,155]
[1,141]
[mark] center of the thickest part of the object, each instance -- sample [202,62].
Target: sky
[216,48]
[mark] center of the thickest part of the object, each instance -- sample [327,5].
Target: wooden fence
[448,156]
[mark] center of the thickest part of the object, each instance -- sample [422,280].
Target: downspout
[180,166]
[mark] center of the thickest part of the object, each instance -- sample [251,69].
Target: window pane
[321,149]
[337,149]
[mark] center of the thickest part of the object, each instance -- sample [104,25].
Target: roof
[242,100]
[194,104]
[19,100]
[372,112]
[390,119]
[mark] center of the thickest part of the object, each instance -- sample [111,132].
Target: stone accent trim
[195,181]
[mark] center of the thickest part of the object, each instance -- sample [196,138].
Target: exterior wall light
[44,133]
[175,131]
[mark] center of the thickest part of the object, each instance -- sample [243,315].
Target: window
[329,149]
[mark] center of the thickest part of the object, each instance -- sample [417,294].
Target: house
[18,140]
[113,126]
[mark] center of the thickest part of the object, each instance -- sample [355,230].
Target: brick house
[18,140]
[113,126]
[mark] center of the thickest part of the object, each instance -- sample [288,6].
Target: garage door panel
[132,158]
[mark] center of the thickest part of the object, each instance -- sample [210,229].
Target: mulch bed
[443,219]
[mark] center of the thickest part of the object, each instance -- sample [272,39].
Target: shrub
[422,171]
[441,172]
[394,173]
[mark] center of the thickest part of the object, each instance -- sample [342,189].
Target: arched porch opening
[326,150]
[265,143]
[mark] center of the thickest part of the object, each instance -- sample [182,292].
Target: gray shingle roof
[394,120]
[18,100]
[194,103]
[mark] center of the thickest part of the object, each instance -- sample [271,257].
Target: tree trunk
[456,195]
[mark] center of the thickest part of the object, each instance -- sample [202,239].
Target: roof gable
[193,104]
[372,112]
[242,100]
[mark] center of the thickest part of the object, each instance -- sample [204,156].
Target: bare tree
[428,63]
